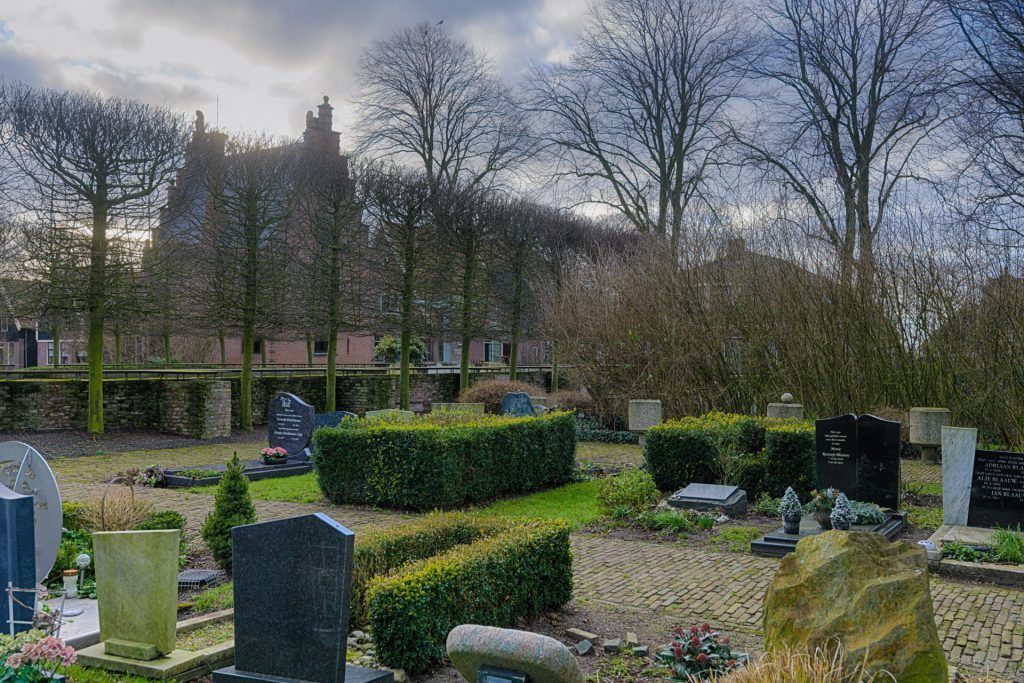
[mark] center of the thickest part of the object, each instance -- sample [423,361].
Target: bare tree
[397,205]
[429,98]
[95,163]
[994,125]
[639,116]
[861,84]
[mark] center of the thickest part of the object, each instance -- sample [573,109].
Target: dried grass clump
[491,391]
[822,665]
[121,512]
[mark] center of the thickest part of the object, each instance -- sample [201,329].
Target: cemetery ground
[627,578]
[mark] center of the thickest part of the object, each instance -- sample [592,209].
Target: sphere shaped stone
[787,397]
[869,593]
[543,659]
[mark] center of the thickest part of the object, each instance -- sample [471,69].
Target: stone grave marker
[390,414]
[860,456]
[463,408]
[730,499]
[25,471]
[292,585]
[17,557]
[517,403]
[980,488]
[332,419]
[290,425]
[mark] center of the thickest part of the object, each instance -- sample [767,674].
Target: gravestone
[730,499]
[926,430]
[860,456]
[290,425]
[292,585]
[332,419]
[785,408]
[461,408]
[517,403]
[24,470]
[17,557]
[979,487]
[390,414]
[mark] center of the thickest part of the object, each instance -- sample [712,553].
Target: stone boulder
[543,659]
[871,594]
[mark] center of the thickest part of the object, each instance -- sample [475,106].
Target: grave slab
[779,543]
[731,499]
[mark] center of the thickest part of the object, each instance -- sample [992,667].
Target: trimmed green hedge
[756,454]
[501,580]
[380,553]
[445,461]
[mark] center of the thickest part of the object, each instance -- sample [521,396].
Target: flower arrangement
[822,500]
[37,659]
[699,654]
[790,504]
[842,513]
[274,454]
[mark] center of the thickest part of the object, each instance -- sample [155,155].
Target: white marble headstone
[958,445]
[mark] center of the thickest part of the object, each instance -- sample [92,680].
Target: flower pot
[824,518]
[791,524]
[71,582]
[274,461]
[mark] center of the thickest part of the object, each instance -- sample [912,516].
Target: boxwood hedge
[757,454]
[499,580]
[443,462]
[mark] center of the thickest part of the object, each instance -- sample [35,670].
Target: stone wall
[207,408]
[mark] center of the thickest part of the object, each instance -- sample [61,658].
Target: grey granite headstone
[17,556]
[293,580]
[23,469]
[731,499]
[290,425]
[958,445]
[517,403]
[332,419]
[390,414]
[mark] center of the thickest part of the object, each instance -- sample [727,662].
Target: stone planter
[267,460]
[824,518]
[791,524]
[841,526]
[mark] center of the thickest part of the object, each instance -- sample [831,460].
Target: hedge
[443,462]
[380,553]
[757,454]
[501,580]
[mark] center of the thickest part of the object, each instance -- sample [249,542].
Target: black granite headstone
[997,490]
[859,456]
[293,581]
[290,424]
[17,556]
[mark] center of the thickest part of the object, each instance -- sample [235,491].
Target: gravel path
[74,443]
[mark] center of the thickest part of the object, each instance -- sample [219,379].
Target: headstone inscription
[306,624]
[860,456]
[24,470]
[517,403]
[290,425]
[17,559]
[997,489]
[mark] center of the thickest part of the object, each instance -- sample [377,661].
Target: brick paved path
[981,626]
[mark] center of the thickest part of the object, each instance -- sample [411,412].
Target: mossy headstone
[137,590]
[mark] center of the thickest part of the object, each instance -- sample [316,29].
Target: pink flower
[14,661]
[702,658]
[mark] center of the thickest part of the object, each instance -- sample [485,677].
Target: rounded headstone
[644,414]
[24,470]
[926,425]
[542,659]
[290,423]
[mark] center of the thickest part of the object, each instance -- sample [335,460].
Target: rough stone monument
[137,591]
[926,430]
[292,584]
[541,659]
[17,558]
[24,470]
[786,408]
[643,414]
[518,404]
[290,425]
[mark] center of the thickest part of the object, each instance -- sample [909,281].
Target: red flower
[695,641]
[730,663]
[702,658]
[677,651]
[693,630]
[725,641]
[678,630]
[705,628]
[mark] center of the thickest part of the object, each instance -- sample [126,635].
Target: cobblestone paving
[921,472]
[980,625]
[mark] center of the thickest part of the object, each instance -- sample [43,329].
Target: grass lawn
[575,503]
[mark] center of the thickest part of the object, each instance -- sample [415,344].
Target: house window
[49,353]
[492,352]
[446,353]
[257,346]
[320,347]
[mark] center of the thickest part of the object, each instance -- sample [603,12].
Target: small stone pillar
[786,408]
[643,414]
[926,430]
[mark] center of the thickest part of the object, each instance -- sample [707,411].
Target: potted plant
[821,505]
[842,513]
[791,512]
[274,455]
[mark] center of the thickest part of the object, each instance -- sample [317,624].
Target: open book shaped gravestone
[860,456]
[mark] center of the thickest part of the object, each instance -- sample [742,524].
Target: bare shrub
[120,512]
[576,400]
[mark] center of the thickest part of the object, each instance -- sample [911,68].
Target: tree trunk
[468,282]
[167,346]
[223,349]
[245,383]
[117,344]
[56,345]
[517,315]
[404,388]
[309,349]
[97,309]
[332,369]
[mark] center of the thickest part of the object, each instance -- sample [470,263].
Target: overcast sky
[268,61]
